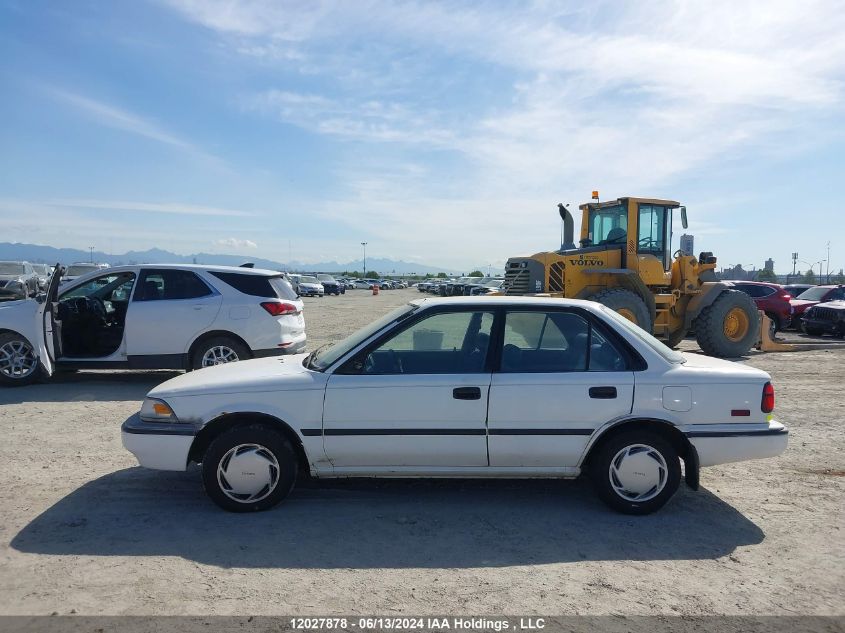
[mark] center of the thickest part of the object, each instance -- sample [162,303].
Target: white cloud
[367,120]
[234,242]
[629,98]
[118,118]
[171,208]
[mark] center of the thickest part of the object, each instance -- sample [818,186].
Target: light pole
[828,262]
[364,244]
[812,265]
[91,248]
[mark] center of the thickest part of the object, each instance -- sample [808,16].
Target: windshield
[814,294]
[325,278]
[668,354]
[325,356]
[77,270]
[308,279]
[608,225]
[11,269]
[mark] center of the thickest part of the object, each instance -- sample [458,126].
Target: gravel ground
[83,530]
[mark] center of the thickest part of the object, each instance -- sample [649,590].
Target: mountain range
[50,255]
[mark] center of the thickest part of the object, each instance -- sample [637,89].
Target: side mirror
[41,297]
[684,217]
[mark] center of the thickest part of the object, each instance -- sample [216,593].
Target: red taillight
[279,308]
[787,296]
[768,402]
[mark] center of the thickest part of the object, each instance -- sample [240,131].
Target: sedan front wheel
[636,472]
[249,468]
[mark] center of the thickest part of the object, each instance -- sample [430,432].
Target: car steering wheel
[97,308]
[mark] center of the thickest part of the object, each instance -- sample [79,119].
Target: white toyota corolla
[465,387]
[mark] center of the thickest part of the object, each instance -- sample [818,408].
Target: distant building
[770,265]
[687,244]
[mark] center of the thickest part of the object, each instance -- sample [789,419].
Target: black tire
[261,444]
[777,326]
[19,364]
[675,338]
[609,452]
[711,324]
[812,331]
[240,350]
[633,305]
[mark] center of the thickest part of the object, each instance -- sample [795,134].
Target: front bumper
[725,443]
[825,325]
[157,445]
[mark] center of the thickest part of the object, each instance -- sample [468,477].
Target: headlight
[157,411]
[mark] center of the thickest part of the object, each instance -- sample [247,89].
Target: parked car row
[19,280]
[321,284]
[786,309]
[461,286]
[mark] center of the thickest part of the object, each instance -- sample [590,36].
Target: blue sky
[438,132]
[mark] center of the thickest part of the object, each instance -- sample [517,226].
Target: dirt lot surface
[83,530]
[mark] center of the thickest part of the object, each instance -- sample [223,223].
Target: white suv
[156,316]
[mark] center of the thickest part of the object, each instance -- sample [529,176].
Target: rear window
[814,294]
[76,271]
[11,269]
[258,285]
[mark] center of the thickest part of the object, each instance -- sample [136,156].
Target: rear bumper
[725,443]
[293,348]
[158,446]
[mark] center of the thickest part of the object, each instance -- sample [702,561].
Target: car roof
[755,283]
[503,300]
[199,267]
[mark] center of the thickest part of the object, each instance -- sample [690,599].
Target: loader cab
[641,227]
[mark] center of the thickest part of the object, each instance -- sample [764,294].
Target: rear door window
[550,342]
[169,285]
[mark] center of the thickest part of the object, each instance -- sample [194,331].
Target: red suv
[816,294]
[771,299]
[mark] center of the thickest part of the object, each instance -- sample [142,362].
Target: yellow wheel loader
[625,262]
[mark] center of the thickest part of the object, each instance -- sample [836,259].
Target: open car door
[50,342]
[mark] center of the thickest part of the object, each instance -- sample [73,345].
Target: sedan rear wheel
[18,360]
[249,468]
[636,473]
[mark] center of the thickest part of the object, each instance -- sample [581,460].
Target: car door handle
[466,393]
[198,307]
[603,393]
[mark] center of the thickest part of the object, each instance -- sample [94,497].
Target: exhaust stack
[568,228]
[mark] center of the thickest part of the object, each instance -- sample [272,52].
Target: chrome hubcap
[219,355]
[248,473]
[17,359]
[638,473]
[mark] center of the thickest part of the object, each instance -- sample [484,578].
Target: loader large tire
[728,327]
[628,304]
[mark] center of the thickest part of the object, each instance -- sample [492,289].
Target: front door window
[446,343]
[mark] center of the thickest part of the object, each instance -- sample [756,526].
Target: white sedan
[465,387]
